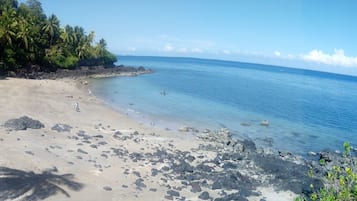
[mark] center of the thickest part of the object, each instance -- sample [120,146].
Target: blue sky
[315,34]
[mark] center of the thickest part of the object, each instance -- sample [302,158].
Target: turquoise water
[307,110]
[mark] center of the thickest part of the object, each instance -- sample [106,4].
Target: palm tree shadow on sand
[22,185]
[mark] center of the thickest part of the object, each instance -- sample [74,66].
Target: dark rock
[195,187]
[173,193]
[136,156]
[329,156]
[153,189]
[81,151]
[182,167]
[136,173]
[165,168]
[287,175]
[233,196]
[107,188]
[204,196]
[139,184]
[284,154]
[154,172]
[229,165]
[233,180]
[23,123]
[102,143]
[249,145]
[61,128]
[204,168]
[190,158]
[30,153]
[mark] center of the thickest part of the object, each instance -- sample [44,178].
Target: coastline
[116,158]
[83,72]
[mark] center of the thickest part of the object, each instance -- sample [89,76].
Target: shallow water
[307,110]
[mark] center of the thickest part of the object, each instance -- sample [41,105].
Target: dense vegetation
[30,39]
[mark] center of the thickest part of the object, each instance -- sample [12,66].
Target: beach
[113,157]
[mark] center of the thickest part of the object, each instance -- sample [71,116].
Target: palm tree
[101,47]
[23,34]
[51,27]
[8,26]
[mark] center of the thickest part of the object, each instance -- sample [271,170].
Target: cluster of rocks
[23,123]
[82,71]
[221,167]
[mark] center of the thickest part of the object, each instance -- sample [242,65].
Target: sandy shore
[110,156]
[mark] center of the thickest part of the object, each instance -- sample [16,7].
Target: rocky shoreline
[81,72]
[220,168]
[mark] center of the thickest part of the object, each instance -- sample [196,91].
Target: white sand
[52,102]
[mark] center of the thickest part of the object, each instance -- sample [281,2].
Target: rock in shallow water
[23,123]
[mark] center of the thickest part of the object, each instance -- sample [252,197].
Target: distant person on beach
[76,106]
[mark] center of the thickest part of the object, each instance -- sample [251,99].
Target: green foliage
[56,58]
[340,181]
[347,149]
[28,36]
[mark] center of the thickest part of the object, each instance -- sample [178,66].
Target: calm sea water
[307,110]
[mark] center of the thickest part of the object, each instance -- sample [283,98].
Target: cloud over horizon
[338,58]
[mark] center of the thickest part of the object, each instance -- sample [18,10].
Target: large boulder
[23,123]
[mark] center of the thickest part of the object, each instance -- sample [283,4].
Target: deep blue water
[307,110]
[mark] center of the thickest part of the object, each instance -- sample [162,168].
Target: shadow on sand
[22,185]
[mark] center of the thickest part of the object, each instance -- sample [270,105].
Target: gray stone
[107,188]
[196,187]
[204,196]
[81,151]
[173,193]
[61,128]
[23,123]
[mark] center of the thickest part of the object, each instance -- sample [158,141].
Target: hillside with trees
[29,39]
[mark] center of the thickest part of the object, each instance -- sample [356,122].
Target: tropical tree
[23,33]
[7,26]
[28,36]
[101,47]
[52,28]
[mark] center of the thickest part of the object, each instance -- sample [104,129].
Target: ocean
[307,110]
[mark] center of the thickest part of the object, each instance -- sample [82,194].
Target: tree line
[30,38]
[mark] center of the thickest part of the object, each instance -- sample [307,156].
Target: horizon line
[243,62]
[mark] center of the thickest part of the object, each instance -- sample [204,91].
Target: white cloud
[337,58]
[196,50]
[132,49]
[182,50]
[277,53]
[168,48]
[290,56]
[226,52]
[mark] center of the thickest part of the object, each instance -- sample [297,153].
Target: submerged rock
[265,123]
[23,123]
[184,129]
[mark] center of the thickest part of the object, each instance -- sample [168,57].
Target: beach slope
[87,151]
